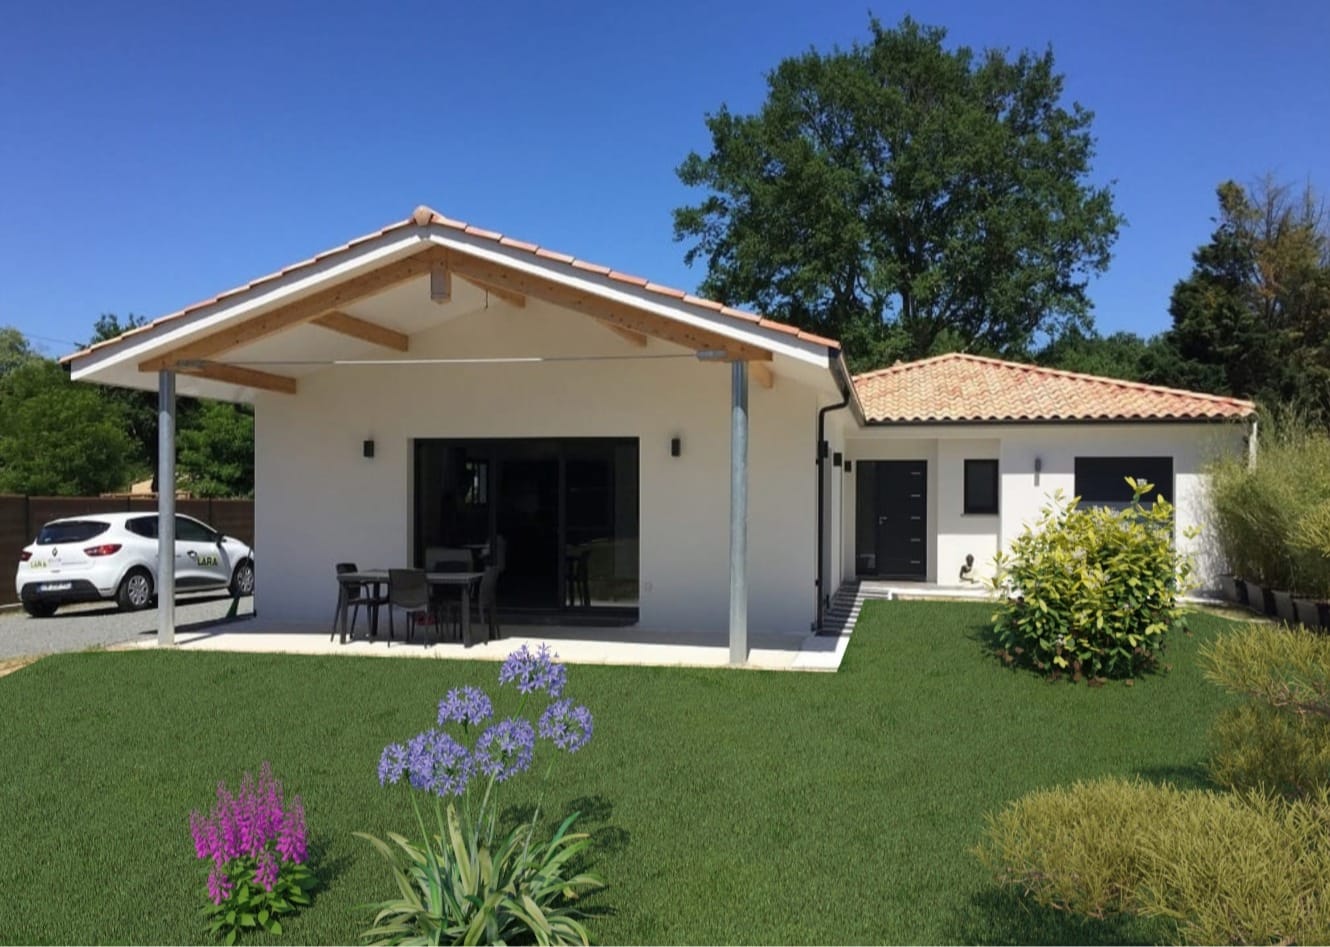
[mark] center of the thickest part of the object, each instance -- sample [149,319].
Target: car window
[73,531]
[145,526]
[192,531]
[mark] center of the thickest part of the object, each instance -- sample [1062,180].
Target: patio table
[465,581]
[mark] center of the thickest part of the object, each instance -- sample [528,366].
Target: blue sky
[153,154]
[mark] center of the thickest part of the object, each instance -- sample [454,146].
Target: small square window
[981,487]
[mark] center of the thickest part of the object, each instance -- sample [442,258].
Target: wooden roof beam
[364,330]
[628,335]
[762,374]
[239,375]
[516,300]
[605,310]
[299,312]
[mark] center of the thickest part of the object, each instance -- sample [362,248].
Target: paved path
[76,627]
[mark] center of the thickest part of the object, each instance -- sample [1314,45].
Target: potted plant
[1312,613]
[1284,606]
[1228,588]
[1256,597]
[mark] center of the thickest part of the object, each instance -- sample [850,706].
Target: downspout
[820,453]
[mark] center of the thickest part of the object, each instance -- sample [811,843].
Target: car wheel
[135,591]
[40,609]
[242,580]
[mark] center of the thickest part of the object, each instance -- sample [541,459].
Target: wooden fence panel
[21,518]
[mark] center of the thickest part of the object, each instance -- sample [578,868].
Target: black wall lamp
[849,464]
[676,446]
[367,448]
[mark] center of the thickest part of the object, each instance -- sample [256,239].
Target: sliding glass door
[565,511]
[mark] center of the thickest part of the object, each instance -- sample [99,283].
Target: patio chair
[577,578]
[488,602]
[408,590]
[447,607]
[356,596]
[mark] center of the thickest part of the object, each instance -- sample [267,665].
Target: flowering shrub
[1090,593]
[458,885]
[256,844]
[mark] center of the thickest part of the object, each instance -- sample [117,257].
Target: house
[647,456]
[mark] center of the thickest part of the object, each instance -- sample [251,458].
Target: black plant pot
[1284,607]
[1315,615]
[1256,598]
[1241,586]
[1228,588]
[1268,600]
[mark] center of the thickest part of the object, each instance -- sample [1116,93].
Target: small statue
[967,570]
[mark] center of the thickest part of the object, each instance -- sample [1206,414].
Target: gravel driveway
[76,627]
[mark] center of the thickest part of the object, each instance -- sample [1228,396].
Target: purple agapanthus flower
[506,749]
[437,763]
[465,705]
[566,726]
[392,764]
[532,672]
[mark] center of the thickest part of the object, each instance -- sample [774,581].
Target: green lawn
[728,806]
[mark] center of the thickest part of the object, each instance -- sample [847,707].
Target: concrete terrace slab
[574,645]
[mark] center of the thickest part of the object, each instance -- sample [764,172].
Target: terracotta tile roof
[424,217]
[959,387]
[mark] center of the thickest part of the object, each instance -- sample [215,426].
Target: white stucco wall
[318,501]
[1190,445]
[959,533]
[953,534]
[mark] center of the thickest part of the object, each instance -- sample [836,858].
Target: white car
[114,556]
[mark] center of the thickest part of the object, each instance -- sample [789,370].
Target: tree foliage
[58,437]
[216,451]
[64,438]
[897,191]
[1253,318]
[14,350]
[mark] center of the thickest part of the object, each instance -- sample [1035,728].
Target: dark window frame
[972,468]
[1096,488]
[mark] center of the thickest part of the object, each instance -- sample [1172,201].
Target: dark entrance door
[902,519]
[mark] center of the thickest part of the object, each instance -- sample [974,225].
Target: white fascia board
[176,331]
[778,343]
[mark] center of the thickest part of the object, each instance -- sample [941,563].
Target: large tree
[1253,317]
[217,451]
[58,437]
[900,192]
[15,350]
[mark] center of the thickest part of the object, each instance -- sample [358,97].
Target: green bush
[1257,748]
[1225,867]
[1279,738]
[1273,520]
[1091,592]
